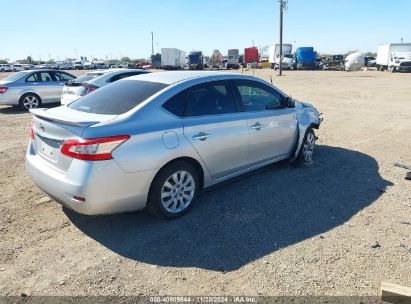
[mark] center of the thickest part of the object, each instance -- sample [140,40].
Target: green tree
[29,59]
[125,59]
[371,54]
[2,61]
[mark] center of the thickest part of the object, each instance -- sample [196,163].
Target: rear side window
[61,76]
[210,99]
[176,104]
[118,97]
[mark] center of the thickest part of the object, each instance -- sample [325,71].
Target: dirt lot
[283,230]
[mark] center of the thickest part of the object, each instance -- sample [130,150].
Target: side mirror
[290,102]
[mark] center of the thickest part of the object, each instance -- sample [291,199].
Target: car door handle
[201,136]
[257,126]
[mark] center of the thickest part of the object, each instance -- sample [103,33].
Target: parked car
[30,89]
[89,66]
[17,67]
[5,68]
[92,81]
[78,65]
[370,61]
[64,66]
[156,140]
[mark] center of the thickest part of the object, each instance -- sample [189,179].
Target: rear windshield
[15,76]
[86,77]
[118,97]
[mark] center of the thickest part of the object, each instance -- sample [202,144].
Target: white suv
[17,68]
[5,68]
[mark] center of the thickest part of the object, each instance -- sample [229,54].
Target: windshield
[15,76]
[86,77]
[118,97]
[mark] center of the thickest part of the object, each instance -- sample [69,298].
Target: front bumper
[105,186]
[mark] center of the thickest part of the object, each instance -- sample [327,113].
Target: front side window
[257,97]
[210,99]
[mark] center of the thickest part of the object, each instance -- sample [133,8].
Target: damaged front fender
[307,117]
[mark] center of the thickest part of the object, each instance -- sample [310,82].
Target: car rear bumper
[106,187]
[9,99]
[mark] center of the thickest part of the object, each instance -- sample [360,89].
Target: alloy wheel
[30,102]
[178,192]
[309,145]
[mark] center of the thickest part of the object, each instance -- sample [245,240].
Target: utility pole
[283,6]
[152,43]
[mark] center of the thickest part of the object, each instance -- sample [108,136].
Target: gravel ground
[338,227]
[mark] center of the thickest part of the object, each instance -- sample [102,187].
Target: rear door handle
[201,136]
[257,126]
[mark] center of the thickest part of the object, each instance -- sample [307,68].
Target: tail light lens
[88,88]
[3,89]
[93,148]
[31,130]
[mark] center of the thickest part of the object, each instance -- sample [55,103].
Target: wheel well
[30,93]
[192,162]
[314,126]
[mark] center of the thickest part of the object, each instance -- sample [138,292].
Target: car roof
[179,76]
[43,70]
[119,71]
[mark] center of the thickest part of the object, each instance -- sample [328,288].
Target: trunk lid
[52,127]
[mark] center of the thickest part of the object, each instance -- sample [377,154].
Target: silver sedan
[31,89]
[156,140]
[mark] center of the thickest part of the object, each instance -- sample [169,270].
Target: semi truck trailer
[172,59]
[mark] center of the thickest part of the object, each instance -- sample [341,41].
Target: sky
[116,28]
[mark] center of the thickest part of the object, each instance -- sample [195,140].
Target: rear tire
[29,101]
[173,191]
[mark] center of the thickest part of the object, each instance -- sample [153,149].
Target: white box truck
[172,59]
[394,57]
[274,56]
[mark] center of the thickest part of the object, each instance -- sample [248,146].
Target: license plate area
[49,148]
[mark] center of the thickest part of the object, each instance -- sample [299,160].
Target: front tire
[173,191]
[305,156]
[29,101]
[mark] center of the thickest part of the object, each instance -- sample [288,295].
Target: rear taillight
[88,88]
[31,130]
[3,89]
[92,148]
